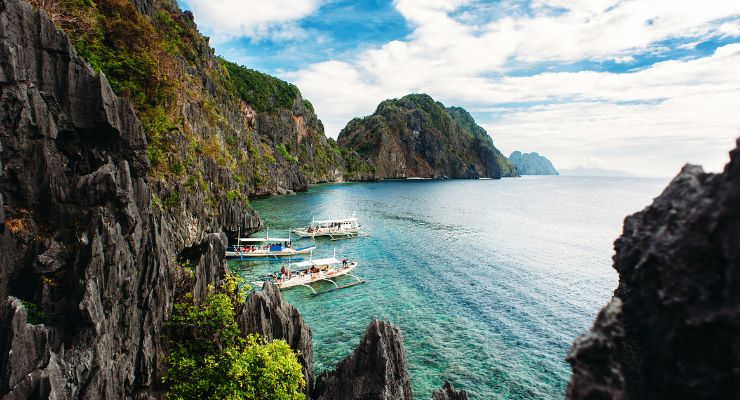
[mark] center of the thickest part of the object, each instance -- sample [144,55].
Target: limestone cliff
[87,273]
[671,330]
[416,136]
[532,164]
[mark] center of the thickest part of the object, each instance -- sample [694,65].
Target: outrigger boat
[334,228]
[266,247]
[305,273]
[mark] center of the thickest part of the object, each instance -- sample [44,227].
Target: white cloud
[465,63]
[226,19]
[624,60]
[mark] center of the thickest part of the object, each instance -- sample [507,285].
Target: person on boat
[284,273]
[345,262]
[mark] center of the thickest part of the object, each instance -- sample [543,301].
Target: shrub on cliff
[263,92]
[209,358]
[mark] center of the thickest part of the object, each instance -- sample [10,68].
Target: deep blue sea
[489,280]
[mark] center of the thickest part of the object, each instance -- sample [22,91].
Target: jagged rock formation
[416,136]
[376,370]
[532,164]
[86,273]
[448,393]
[269,315]
[672,327]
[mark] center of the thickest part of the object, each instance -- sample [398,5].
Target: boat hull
[308,279]
[346,232]
[269,253]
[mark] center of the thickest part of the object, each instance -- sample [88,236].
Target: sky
[641,86]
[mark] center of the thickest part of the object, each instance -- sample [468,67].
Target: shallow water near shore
[490,281]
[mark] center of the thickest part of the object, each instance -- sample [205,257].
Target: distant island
[418,137]
[532,164]
[588,171]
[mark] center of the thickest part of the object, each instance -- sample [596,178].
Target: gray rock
[448,393]
[532,164]
[672,329]
[266,313]
[87,249]
[210,266]
[376,370]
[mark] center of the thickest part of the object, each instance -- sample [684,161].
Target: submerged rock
[377,369]
[672,328]
[266,313]
[448,393]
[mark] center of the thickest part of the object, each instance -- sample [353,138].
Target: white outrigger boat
[266,247]
[305,273]
[334,228]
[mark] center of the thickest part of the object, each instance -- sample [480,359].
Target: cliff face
[417,137]
[88,253]
[216,133]
[671,328]
[532,164]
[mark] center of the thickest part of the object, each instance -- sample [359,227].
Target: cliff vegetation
[210,358]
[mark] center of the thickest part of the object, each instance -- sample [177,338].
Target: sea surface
[489,280]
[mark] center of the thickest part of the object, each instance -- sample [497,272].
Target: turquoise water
[489,280]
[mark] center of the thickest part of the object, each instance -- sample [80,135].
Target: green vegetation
[210,359]
[285,154]
[163,66]
[263,92]
[35,315]
[136,55]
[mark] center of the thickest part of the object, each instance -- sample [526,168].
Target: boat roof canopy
[329,221]
[268,239]
[316,262]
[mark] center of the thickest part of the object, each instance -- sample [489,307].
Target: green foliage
[260,178]
[307,104]
[263,92]
[285,154]
[210,359]
[119,41]
[156,202]
[35,315]
[172,200]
